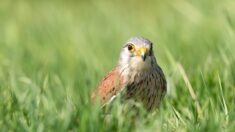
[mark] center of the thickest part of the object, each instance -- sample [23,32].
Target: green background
[53,53]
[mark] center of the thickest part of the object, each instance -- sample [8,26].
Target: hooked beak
[143,56]
[142,52]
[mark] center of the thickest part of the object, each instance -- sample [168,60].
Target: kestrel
[137,73]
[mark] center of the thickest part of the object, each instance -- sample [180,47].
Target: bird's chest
[145,90]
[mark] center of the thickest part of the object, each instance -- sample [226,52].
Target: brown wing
[108,86]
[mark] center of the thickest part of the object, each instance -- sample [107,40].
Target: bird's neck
[135,71]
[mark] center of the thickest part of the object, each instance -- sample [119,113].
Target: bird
[137,75]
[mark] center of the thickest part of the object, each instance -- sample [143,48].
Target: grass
[52,54]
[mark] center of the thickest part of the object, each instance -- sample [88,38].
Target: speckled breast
[149,90]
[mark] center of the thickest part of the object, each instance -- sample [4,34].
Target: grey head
[137,55]
[139,41]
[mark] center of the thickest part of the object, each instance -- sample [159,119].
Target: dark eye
[131,47]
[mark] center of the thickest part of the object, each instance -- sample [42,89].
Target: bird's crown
[139,41]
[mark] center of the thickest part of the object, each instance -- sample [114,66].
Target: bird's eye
[131,47]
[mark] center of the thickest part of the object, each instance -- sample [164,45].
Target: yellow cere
[141,51]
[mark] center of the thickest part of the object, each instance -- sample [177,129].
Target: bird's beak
[143,53]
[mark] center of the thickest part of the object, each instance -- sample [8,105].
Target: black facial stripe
[151,49]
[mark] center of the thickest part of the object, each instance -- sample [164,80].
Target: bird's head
[137,55]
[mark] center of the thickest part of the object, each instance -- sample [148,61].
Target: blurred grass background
[53,53]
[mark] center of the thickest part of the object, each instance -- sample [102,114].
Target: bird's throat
[139,65]
[135,69]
